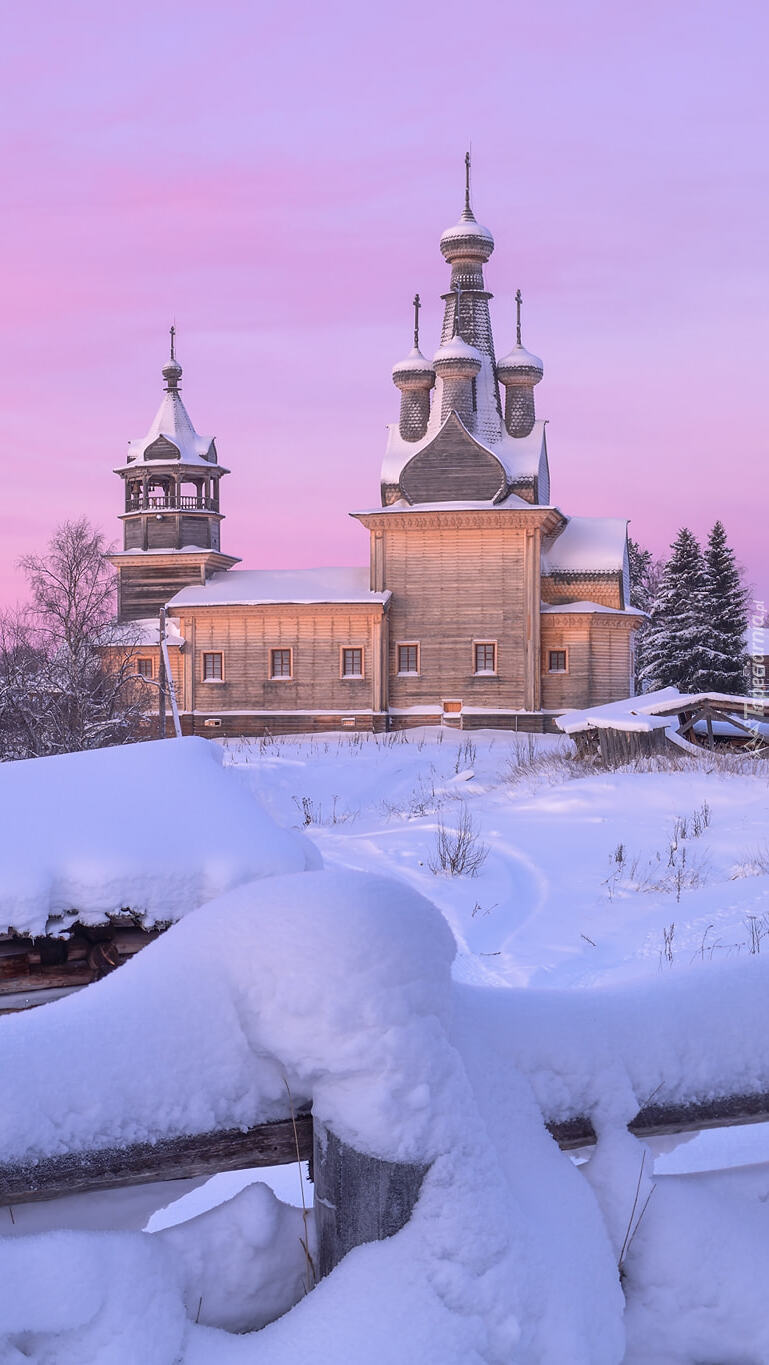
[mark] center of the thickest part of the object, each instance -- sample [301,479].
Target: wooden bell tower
[172,515]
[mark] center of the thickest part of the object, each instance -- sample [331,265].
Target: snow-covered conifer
[727,616]
[645,575]
[676,650]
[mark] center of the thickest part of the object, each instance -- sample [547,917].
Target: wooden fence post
[357,1198]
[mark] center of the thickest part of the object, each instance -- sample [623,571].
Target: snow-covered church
[483,604]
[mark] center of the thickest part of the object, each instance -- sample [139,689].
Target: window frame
[145,659]
[356,649]
[281,677]
[211,654]
[411,672]
[558,672]
[485,672]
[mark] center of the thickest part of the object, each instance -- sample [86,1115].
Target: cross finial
[173,340]
[518,302]
[467,181]
[417,306]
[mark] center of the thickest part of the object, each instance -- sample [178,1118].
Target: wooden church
[483,604]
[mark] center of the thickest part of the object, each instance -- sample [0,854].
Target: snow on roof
[156,828]
[257,587]
[145,631]
[172,421]
[558,609]
[630,713]
[587,544]
[652,710]
[519,359]
[523,458]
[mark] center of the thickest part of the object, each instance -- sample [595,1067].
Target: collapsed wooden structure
[670,722]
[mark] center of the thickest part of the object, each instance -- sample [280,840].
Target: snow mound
[154,828]
[337,985]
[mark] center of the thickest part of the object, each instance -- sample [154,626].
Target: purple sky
[276,177]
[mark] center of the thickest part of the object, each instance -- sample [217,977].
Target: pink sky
[276,177]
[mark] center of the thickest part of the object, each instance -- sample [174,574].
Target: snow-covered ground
[586,878]
[612,946]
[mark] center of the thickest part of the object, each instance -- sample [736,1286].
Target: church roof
[172,427]
[261,587]
[586,608]
[522,458]
[587,545]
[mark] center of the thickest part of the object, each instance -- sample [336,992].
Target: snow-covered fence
[331,992]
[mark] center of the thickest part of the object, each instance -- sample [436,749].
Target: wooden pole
[162,676]
[357,1198]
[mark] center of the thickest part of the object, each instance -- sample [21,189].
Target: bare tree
[64,685]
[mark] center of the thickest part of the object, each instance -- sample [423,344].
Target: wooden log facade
[456,622]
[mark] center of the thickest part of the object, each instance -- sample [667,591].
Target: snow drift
[153,828]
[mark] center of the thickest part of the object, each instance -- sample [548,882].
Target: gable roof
[262,587]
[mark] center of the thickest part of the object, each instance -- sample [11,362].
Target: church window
[212,668]
[144,668]
[486,657]
[280,663]
[352,663]
[408,658]
[557,661]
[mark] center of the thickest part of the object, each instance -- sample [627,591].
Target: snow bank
[153,828]
[606,1052]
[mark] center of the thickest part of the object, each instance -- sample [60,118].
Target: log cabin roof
[587,545]
[588,608]
[258,587]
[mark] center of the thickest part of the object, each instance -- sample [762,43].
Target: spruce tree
[676,647]
[726,605]
[645,572]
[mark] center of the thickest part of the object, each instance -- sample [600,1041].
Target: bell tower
[172,515]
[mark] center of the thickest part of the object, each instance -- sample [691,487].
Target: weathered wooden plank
[391,1189]
[660,1120]
[268,1144]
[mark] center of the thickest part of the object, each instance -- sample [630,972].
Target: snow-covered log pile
[100,849]
[337,986]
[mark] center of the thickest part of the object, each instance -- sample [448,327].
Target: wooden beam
[274,1144]
[269,1144]
[659,1120]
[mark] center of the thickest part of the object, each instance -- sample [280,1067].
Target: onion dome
[172,370]
[467,240]
[519,371]
[457,360]
[519,366]
[413,371]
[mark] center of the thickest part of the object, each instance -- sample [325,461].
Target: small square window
[280,663]
[212,668]
[408,658]
[144,668]
[557,661]
[486,658]
[352,663]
